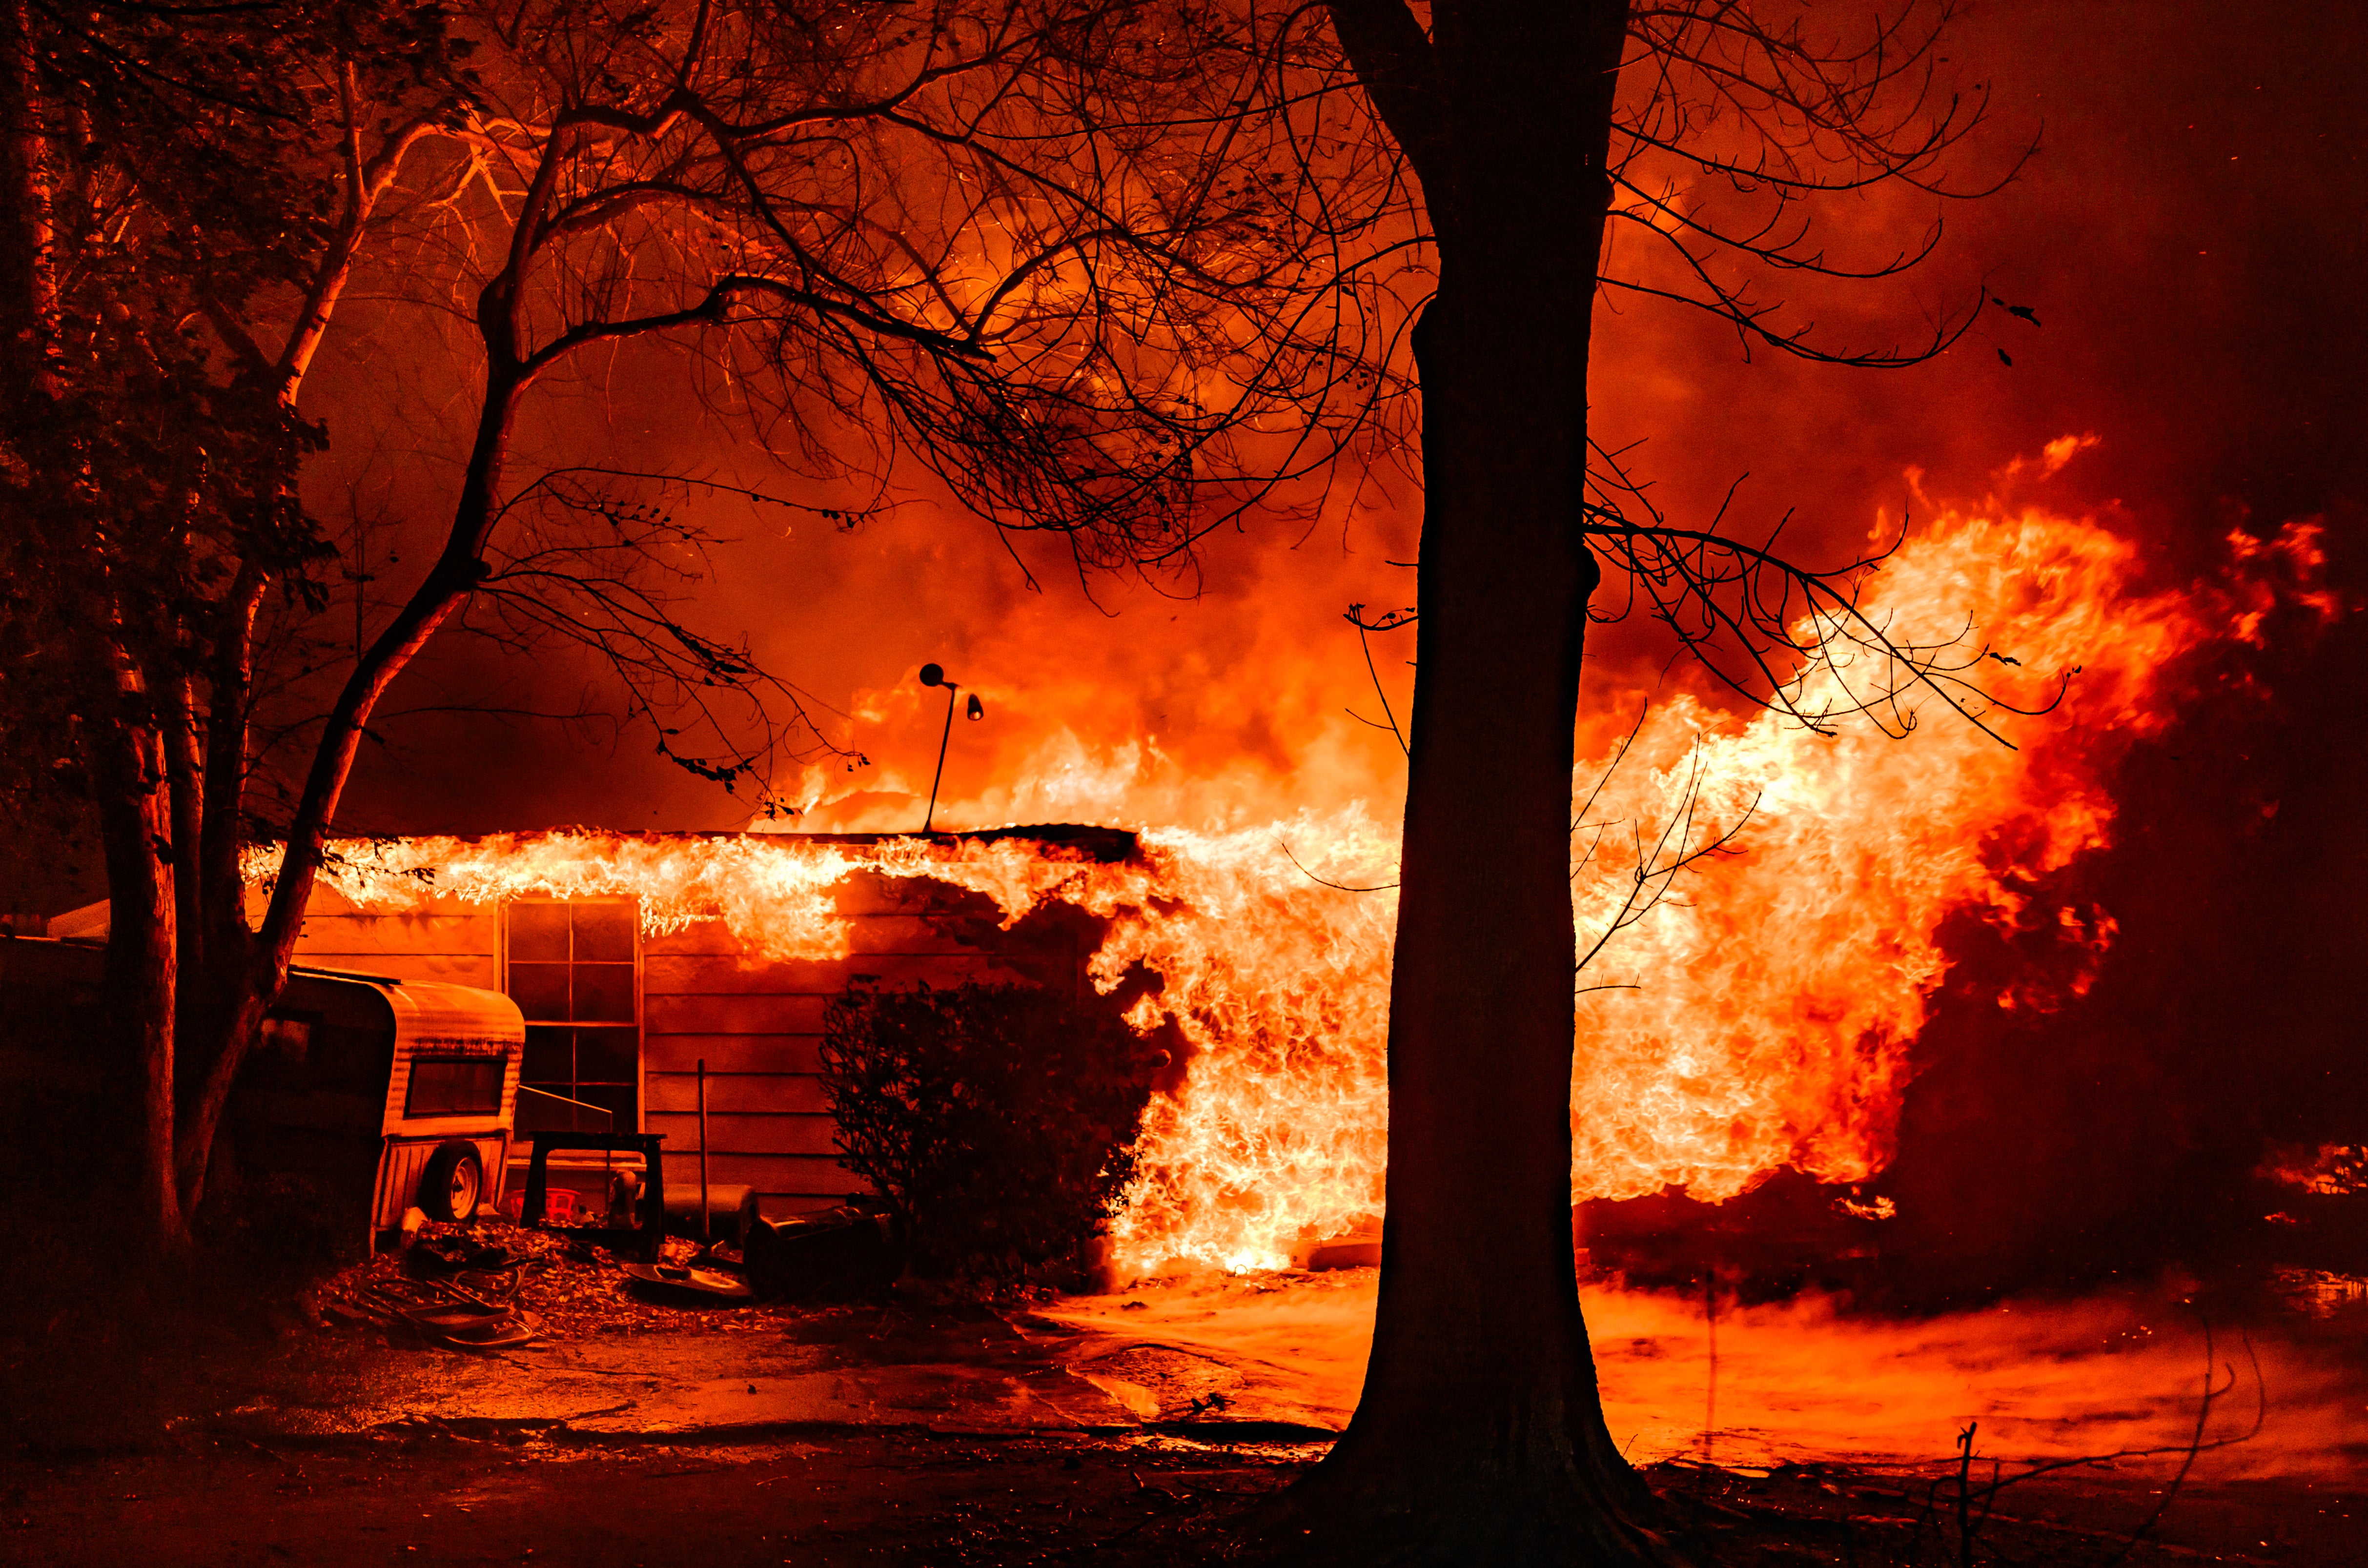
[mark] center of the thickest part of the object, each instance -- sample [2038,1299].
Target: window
[454,1085]
[572,974]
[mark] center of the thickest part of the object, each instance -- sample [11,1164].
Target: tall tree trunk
[185,778]
[27,221]
[127,763]
[235,1016]
[222,832]
[27,239]
[1480,1434]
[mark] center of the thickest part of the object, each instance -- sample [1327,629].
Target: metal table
[652,1208]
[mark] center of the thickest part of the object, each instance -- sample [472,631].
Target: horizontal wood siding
[457,943]
[406,934]
[730,1093]
[761,1054]
[810,1180]
[758,1024]
[762,1133]
[453,968]
[724,1013]
[672,976]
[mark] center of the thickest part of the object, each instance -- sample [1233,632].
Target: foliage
[182,192]
[851,219]
[998,1121]
[165,168]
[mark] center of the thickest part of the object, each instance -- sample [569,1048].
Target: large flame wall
[1758,1013]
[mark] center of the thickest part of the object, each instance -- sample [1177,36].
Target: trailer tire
[453,1184]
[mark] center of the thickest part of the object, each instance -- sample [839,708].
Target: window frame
[487,1112]
[637,1080]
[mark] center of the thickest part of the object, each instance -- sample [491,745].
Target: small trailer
[366,1089]
[421,1075]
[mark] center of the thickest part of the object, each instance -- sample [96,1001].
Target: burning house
[631,1000]
[1908,950]
[636,958]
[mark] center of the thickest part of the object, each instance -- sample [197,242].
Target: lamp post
[934,674]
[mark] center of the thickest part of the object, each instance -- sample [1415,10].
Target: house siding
[450,941]
[757,1024]
[758,1027]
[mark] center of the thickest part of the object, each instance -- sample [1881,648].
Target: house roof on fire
[1105,845]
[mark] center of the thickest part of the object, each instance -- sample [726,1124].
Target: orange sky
[2187,233]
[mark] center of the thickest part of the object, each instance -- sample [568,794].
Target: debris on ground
[851,1247]
[686,1286]
[562,1283]
[570,1282]
[454,1318]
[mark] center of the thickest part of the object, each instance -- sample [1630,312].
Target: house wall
[448,940]
[757,1025]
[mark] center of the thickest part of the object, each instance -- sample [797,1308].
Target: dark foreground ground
[1146,1427]
[900,1497]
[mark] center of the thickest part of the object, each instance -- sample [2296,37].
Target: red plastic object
[558,1204]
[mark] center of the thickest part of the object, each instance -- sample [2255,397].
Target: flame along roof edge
[1105,845]
[1109,845]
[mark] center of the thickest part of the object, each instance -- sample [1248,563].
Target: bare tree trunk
[222,830]
[237,1019]
[240,976]
[448,583]
[1480,1434]
[186,788]
[232,1028]
[27,238]
[135,825]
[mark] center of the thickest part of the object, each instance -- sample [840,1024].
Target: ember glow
[1761,1017]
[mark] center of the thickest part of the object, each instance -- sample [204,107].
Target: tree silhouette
[1118,271]
[176,182]
[941,223]
[1539,132]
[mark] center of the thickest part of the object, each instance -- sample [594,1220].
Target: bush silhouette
[997,1121]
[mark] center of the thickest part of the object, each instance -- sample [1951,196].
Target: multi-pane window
[572,973]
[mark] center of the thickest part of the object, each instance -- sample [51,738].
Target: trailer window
[454,1085]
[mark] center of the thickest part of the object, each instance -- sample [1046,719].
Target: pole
[941,773]
[1709,1385]
[703,1235]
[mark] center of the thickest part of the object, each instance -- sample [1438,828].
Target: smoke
[2183,232]
[2186,236]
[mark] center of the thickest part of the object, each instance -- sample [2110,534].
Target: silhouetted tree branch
[971,229]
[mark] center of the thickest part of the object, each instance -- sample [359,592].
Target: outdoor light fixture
[935,675]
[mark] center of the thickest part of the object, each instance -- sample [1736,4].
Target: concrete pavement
[951,1372]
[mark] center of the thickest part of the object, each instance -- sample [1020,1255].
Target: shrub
[997,1121]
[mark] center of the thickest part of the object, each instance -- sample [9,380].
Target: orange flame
[1760,1018]
[1775,999]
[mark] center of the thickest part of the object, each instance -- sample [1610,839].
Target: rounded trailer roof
[434,1011]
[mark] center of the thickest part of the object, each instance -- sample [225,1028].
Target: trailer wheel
[453,1182]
